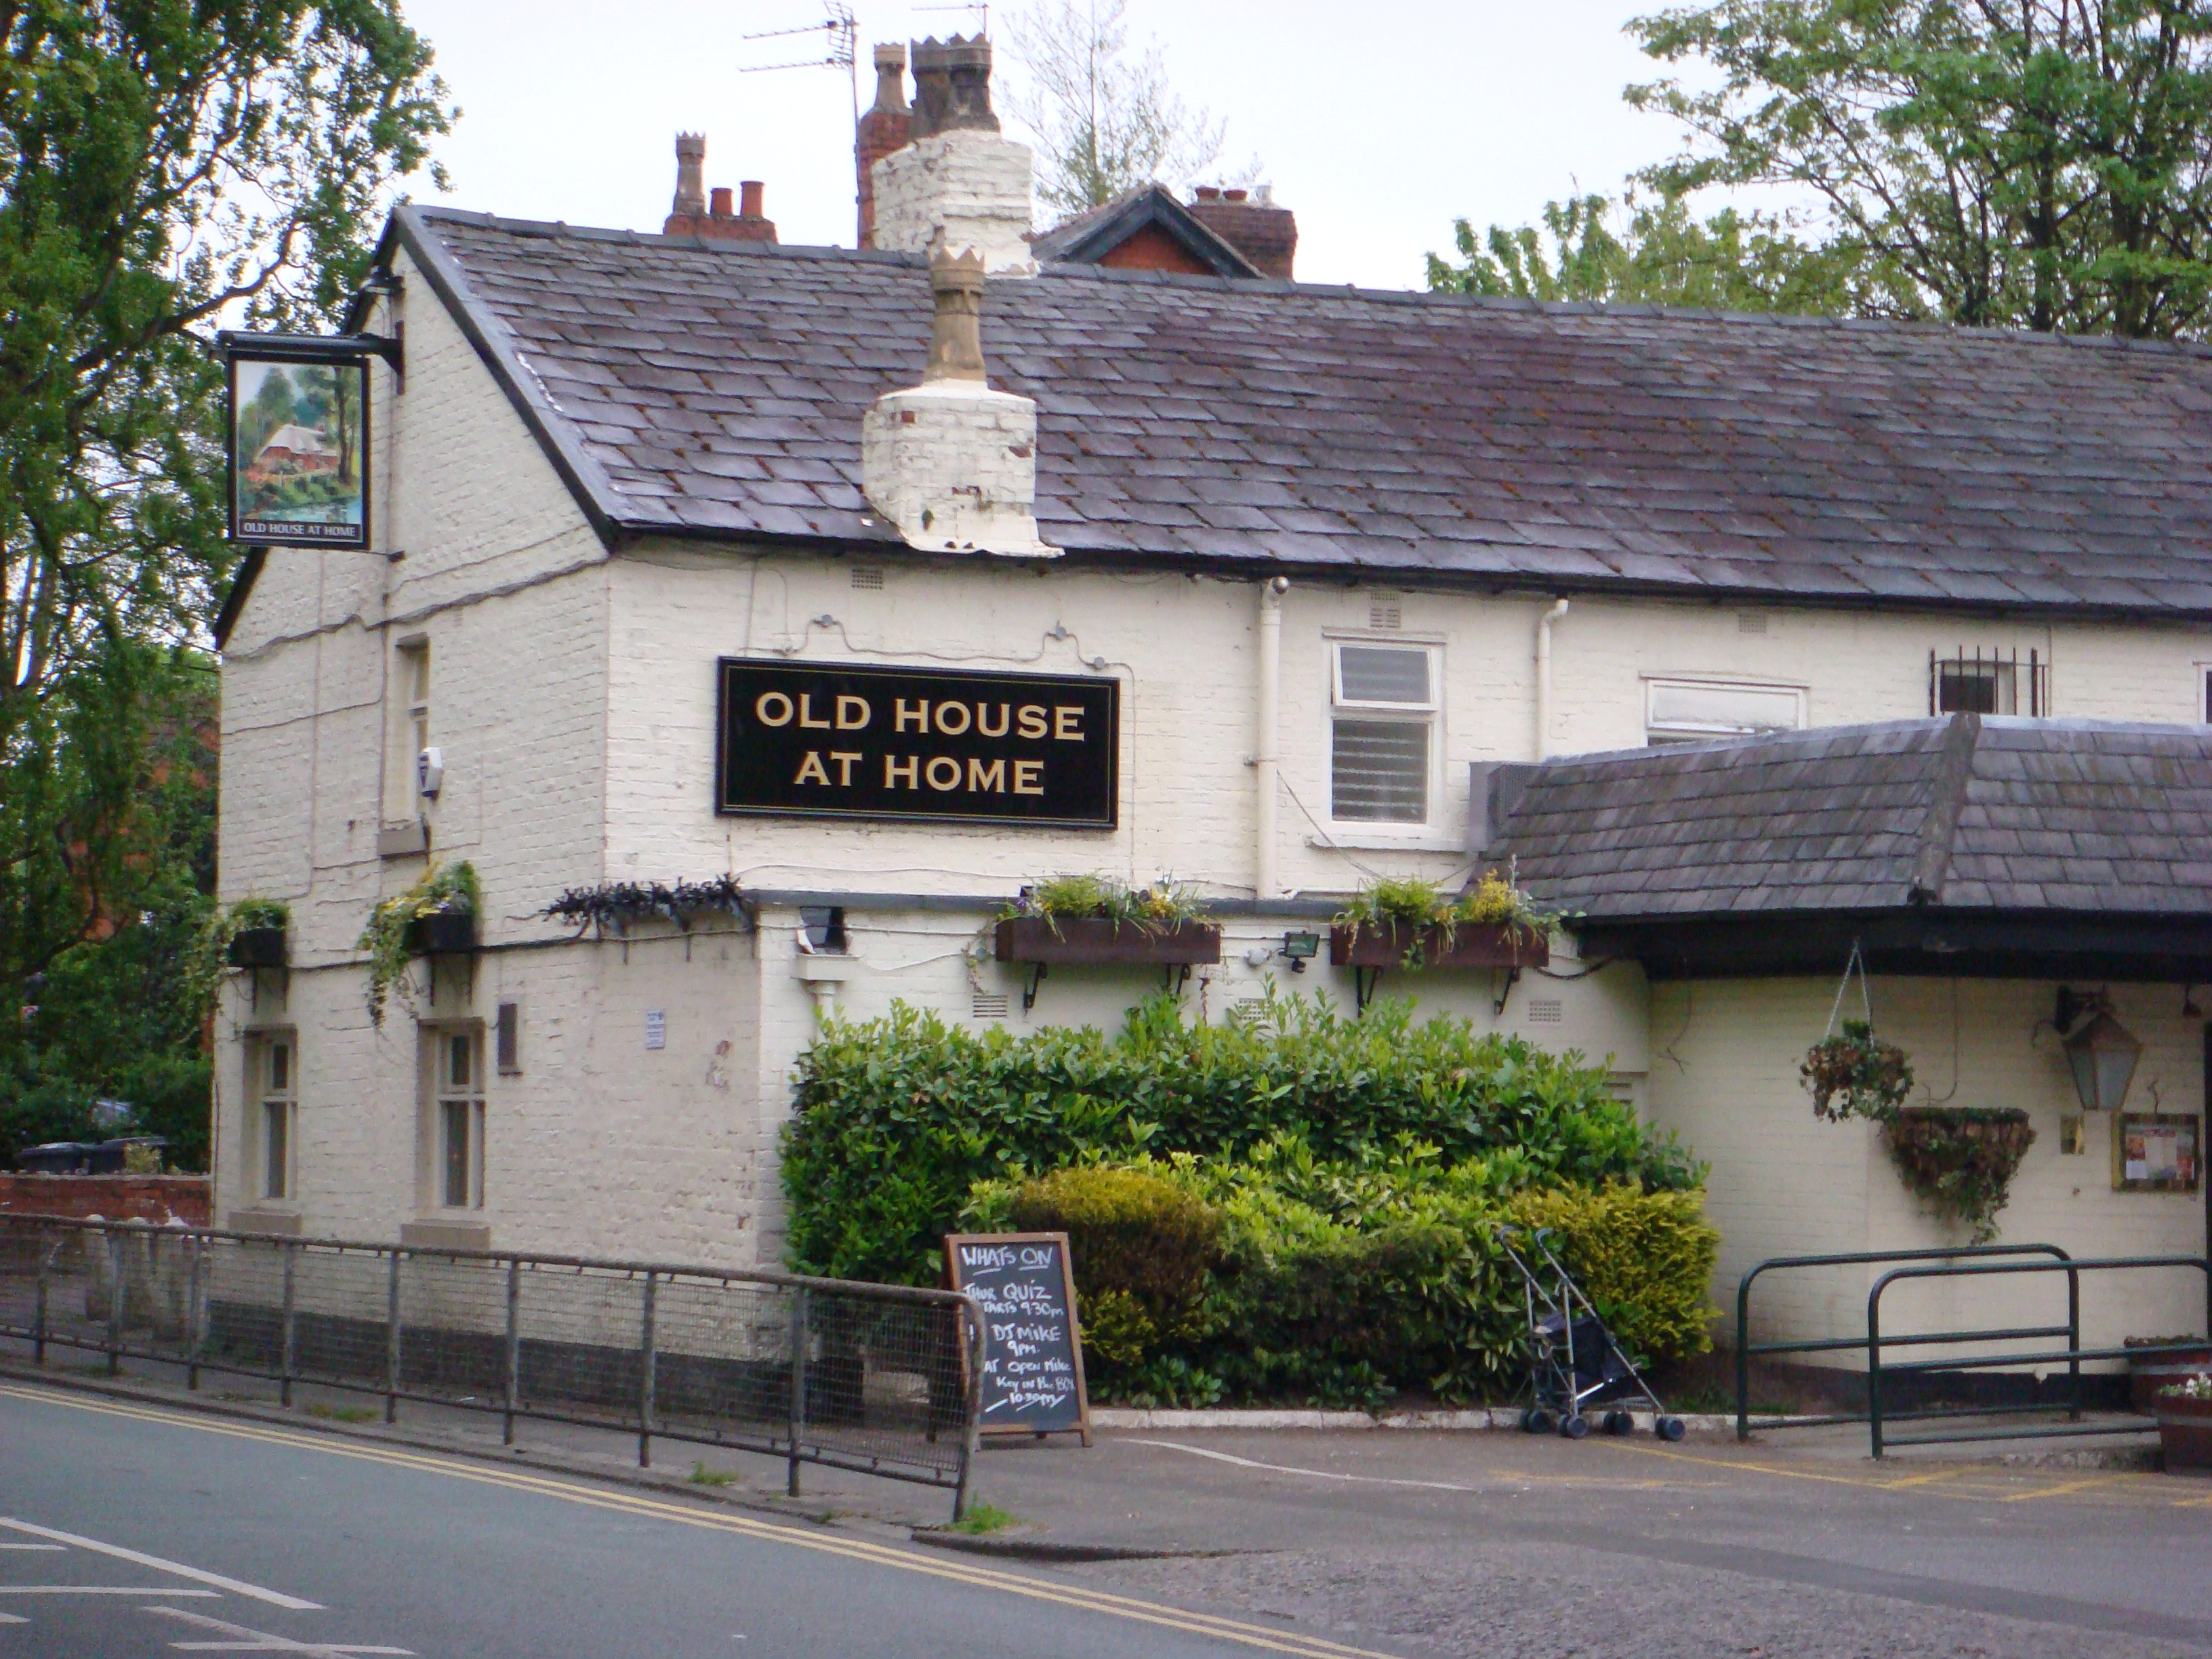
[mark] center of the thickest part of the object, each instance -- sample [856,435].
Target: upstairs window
[1988,683]
[1698,711]
[1382,733]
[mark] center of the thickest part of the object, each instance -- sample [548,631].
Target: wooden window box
[257,947]
[1042,940]
[442,935]
[1471,944]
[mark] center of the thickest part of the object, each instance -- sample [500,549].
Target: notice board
[1033,1349]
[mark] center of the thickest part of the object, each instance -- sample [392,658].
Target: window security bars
[1989,683]
[881,1379]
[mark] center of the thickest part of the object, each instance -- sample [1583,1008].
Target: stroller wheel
[1667,1428]
[1536,1421]
[1620,1423]
[1575,1427]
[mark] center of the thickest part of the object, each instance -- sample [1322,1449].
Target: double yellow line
[927,1563]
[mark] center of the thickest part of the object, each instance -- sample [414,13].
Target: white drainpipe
[1264,751]
[1544,677]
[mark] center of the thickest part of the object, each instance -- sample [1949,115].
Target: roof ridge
[1939,830]
[2199,350]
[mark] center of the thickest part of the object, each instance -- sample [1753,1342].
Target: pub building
[879,583]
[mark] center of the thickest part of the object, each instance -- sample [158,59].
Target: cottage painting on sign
[299,449]
[847,741]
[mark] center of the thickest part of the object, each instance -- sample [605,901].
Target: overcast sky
[1380,125]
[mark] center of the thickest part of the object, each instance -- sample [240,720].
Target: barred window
[1383,735]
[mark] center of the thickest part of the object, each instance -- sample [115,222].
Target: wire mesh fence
[877,1378]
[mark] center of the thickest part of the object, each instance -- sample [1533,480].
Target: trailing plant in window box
[1408,922]
[1096,919]
[616,904]
[1961,1160]
[1856,1074]
[438,913]
[249,934]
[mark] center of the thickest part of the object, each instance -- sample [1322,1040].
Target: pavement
[1402,1542]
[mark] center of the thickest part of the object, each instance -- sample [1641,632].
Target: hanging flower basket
[1856,1074]
[1962,1161]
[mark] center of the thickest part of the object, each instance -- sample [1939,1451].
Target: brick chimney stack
[951,464]
[960,184]
[1266,234]
[697,212]
[885,129]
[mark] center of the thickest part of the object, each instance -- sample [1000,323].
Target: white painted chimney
[951,464]
[958,180]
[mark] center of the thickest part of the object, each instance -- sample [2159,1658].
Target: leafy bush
[1644,1258]
[1340,1282]
[898,1118]
[1129,1231]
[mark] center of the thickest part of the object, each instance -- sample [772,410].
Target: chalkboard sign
[1032,1355]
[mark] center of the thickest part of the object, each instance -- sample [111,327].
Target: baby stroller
[1573,1360]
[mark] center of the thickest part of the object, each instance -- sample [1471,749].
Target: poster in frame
[2155,1153]
[298,440]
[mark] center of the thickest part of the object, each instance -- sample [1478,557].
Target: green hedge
[1343,1282]
[897,1118]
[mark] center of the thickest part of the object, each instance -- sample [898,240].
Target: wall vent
[1746,621]
[990,1004]
[1545,1011]
[1386,611]
[869,576]
[1249,1014]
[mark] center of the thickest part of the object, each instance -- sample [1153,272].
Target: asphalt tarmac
[130,1531]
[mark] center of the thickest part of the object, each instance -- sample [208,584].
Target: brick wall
[158,1198]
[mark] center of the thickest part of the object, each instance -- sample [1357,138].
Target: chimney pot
[953,86]
[890,78]
[748,198]
[883,131]
[1209,192]
[1235,195]
[721,203]
[956,332]
[691,164]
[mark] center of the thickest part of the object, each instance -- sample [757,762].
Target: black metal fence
[879,1378]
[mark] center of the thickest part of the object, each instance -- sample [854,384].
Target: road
[131,1531]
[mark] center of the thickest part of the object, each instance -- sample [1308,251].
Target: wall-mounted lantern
[2101,1051]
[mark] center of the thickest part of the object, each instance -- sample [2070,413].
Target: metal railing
[881,1379]
[2072,1355]
[1745,1349]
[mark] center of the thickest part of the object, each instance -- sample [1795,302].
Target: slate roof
[716,390]
[1967,813]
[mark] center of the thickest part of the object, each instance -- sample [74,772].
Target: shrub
[897,1119]
[1645,1259]
[1340,1282]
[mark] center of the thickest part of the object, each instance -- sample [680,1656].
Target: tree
[2045,164]
[1106,123]
[1732,261]
[162,168]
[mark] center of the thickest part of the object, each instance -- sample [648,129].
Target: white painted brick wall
[973,188]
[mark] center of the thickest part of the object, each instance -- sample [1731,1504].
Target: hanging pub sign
[299,440]
[948,746]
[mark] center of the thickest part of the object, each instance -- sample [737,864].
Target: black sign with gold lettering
[847,741]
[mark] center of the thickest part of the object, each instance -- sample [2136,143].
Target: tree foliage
[164,168]
[2042,164]
[1106,119]
[1665,255]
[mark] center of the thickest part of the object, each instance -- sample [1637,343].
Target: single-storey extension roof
[716,390]
[1923,830]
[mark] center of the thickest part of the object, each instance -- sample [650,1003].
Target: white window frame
[1383,831]
[443,1097]
[412,687]
[1656,734]
[273,1092]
